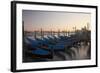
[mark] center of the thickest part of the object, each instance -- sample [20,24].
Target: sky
[54,20]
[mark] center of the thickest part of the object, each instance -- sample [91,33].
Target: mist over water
[80,52]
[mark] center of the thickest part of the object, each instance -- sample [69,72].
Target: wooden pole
[41,33]
[35,34]
[58,32]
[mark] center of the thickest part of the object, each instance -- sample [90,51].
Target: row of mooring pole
[41,33]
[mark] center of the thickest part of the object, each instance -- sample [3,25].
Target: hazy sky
[52,20]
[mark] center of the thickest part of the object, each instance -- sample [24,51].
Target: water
[78,51]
